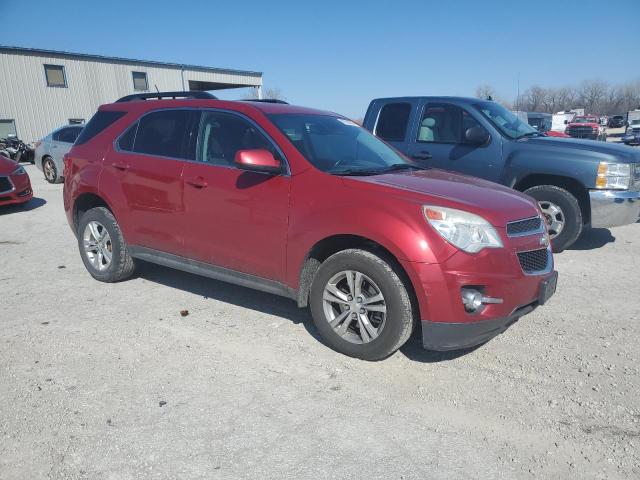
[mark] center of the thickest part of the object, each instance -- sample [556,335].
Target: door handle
[120,166]
[197,182]
[423,155]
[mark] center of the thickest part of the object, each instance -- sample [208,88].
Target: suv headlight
[614,175]
[464,230]
[19,171]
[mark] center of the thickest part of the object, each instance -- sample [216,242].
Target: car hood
[611,151]
[584,124]
[7,166]
[497,204]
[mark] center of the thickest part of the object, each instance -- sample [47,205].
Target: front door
[440,143]
[234,218]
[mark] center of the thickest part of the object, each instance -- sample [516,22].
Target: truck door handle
[197,182]
[423,155]
[120,166]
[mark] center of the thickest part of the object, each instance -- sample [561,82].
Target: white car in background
[50,151]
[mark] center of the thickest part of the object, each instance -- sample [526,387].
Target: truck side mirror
[476,136]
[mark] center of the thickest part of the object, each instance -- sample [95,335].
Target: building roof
[104,58]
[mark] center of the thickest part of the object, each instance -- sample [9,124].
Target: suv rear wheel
[562,213]
[102,246]
[360,305]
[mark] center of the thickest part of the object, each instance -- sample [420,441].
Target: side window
[164,133]
[126,140]
[393,121]
[444,123]
[223,134]
[56,136]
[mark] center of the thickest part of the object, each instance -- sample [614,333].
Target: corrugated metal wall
[37,109]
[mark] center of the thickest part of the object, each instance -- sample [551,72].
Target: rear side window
[393,121]
[100,121]
[127,139]
[165,133]
[67,135]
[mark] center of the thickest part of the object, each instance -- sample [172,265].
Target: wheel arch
[85,202]
[572,185]
[326,247]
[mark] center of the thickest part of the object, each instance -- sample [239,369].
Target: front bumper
[614,208]
[20,191]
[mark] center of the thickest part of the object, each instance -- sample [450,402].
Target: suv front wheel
[360,305]
[102,246]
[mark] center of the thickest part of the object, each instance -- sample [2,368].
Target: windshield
[337,145]
[584,120]
[635,122]
[504,120]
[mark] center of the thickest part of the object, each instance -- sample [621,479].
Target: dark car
[578,183]
[617,121]
[308,205]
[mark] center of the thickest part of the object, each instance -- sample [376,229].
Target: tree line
[595,96]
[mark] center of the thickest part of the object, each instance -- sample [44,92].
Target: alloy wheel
[49,170]
[97,245]
[554,217]
[354,307]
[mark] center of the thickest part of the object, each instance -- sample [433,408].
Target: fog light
[471,299]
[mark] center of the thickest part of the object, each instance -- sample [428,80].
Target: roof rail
[265,100]
[161,95]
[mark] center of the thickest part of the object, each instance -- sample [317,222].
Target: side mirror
[476,136]
[257,160]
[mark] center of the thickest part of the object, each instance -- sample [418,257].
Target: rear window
[393,121]
[100,121]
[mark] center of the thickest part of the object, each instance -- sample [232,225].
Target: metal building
[44,89]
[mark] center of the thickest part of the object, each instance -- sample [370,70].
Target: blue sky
[337,55]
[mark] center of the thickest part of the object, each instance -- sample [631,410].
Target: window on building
[55,76]
[140,81]
[393,121]
[164,133]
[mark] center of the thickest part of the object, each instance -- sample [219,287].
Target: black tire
[399,320]
[122,265]
[53,176]
[570,208]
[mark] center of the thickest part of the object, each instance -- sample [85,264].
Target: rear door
[147,164]
[439,142]
[395,122]
[234,218]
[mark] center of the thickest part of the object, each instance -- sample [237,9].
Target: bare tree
[272,93]
[485,92]
[592,94]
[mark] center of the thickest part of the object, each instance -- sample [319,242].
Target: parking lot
[111,381]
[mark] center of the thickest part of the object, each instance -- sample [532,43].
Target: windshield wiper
[376,171]
[529,134]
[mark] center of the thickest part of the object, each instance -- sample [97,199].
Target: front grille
[534,261]
[528,226]
[5,185]
[581,132]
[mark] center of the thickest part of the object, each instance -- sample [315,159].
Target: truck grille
[581,132]
[528,226]
[534,261]
[5,185]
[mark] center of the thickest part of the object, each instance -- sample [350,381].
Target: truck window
[392,122]
[444,123]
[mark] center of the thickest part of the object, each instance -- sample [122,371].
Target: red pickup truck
[585,126]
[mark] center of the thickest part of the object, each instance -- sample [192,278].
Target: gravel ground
[109,381]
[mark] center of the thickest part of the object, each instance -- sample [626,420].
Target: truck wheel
[562,213]
[102,246]
[360,306]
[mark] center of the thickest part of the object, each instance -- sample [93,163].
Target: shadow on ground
[35,202]
[593,238]
[271,305]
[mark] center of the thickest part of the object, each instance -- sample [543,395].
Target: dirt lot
[103,381]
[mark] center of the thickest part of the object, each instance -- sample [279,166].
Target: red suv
[308,205]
